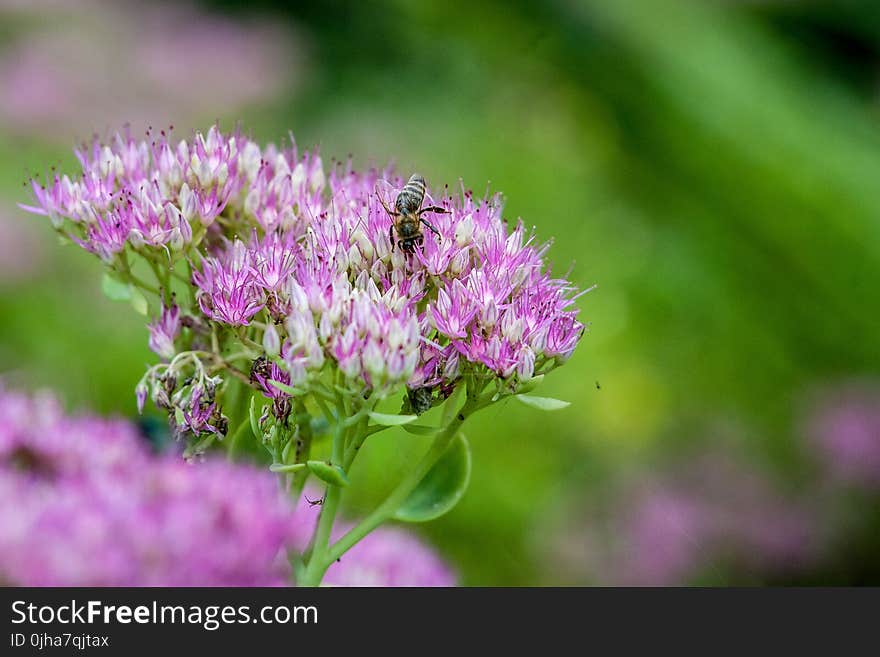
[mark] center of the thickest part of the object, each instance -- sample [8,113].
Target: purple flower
[266,228]
[843,429]
[228,290]
[139,60]
[452,313]
[271,372]
[202,415]
[105,236]
[164,331]
[390,557]
[274,260]
[83,503]
[709,514]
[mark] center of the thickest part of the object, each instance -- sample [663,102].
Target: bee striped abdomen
[411,196]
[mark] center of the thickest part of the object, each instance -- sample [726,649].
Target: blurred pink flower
[84,503]
[87,65]
[842,428]
[709,512]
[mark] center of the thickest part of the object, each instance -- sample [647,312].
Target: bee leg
[391,237]
[433,230]
[382,201]
[434,208]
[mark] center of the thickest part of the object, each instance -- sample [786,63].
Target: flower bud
[350,366]
[187,201]
[451,367]
[140,392]
[464,231]
[318,180]
[249,160]
[271,341]
[538,339]
[374,361]
[203,171]
[395,336]
[525,367]
[459,262]
[222,174]
[316,357]
[176,241]
[398,366]
[182,150]
[298,177]
[136,238]
[106,162]
[355,259]
[489,315]
[511,327]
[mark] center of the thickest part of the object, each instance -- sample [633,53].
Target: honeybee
[407,215]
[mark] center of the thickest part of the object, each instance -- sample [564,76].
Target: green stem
[303,449]
[321,554]
[360,435]
[398,496]
[315,569]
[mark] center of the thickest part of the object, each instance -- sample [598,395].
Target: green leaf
[389,420]
[234,441]
[179,417]
[255,422]
[543,403]
[421,429]
[285,467]
[283,387]
[138,301]
[328,472]
[442,487]
[115,289]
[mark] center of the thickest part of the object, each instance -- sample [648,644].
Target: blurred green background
[712,166]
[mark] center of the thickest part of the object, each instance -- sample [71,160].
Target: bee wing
[387,191]
[432,200]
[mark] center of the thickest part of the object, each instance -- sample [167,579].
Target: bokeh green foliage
[705,164]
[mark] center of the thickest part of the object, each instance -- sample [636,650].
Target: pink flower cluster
[138,59]
[709,515]
[842,429]
[144,193]
[84,503]
[272,237]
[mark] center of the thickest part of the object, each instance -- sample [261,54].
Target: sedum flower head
[267,237]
